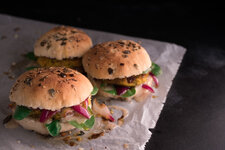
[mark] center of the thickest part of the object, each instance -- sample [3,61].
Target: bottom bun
[35,125]
[140,94]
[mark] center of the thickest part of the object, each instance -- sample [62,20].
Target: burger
[121,69]
[62,46]
[52,100]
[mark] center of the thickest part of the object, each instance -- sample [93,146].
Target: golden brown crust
[130,81]
[51,62]
[116,59]
[63,42]
[50,88]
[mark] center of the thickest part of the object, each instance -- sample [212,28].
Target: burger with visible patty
[62,46]
[121,69]
[53,100]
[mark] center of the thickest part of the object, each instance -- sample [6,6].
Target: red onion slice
[155,79]
[145,86]
[46,114]
[81,111]
[121,89]
[111,118]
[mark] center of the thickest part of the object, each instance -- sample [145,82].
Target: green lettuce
[30,68]
[53,128]
[21,112]
[94,91]
[129,92]
[86,125]
[31,56]
[110,91]
[155,69]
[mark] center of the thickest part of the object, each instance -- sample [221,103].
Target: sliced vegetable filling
[126,87]
[84,109]
[46,114]
[120,90]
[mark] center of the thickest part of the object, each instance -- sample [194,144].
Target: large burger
[121,69]
[53,100]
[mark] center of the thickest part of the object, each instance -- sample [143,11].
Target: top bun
[116,59]
[63,42]
[52,88]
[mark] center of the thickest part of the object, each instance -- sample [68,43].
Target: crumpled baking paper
[17,36]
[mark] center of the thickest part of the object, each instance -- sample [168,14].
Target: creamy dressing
[141,93]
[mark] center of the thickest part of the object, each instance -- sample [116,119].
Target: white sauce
[141,93]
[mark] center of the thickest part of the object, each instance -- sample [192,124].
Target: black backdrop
[193,116]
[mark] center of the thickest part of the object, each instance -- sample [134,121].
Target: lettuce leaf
[31,56]
[155,69]
[113,92]
[108,89]
[90,122]
[129,92]
[53,128]
[86,125]
[30,68]
[94,91]
[21,112]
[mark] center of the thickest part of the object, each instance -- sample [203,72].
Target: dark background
[194,114]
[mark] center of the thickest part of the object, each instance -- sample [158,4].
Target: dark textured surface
[193,116]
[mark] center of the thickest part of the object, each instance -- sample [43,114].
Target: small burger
[62,46]
[53,100]
[121,69]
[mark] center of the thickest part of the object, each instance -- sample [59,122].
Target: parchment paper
[17,36]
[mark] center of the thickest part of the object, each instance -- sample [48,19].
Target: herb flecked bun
[116,59]
[63,42]
[51,89]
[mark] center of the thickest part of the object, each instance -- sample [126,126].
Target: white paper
[142,115]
